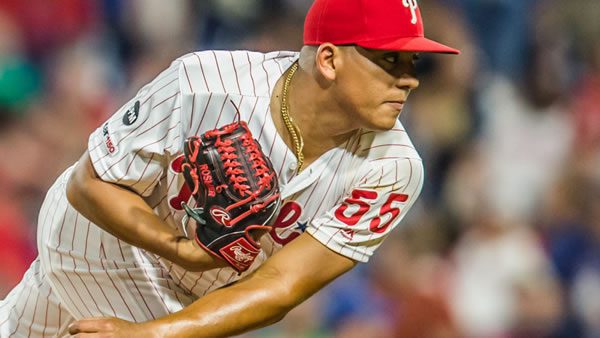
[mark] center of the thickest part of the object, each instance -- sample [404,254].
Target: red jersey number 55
[361,199]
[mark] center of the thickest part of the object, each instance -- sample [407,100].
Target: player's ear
[326,59]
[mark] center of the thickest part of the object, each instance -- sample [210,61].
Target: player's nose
[407,81]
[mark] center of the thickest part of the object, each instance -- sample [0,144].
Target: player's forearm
[254,303]
[124,214]
[121,213]
[286,279]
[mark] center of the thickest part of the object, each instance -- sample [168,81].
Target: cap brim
[409,44]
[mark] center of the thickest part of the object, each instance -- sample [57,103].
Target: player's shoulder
[238,72]
[388,157]
[389,145]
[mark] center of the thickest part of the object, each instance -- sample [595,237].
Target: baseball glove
[236,192]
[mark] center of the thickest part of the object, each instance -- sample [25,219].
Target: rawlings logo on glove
[236,192]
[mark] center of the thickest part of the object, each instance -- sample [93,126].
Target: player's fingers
[90,325]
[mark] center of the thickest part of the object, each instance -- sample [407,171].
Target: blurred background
[505,240]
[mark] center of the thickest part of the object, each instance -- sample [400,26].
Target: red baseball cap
[376,24]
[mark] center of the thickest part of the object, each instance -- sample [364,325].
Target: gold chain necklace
[292,128]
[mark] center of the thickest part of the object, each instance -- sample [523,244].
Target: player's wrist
[189,255]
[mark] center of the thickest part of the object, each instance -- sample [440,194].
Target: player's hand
[109,327]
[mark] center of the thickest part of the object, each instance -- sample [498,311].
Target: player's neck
[322,123]
[321,126]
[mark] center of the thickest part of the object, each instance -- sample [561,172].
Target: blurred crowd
[505,240]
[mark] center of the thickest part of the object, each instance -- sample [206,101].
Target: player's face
[374,85]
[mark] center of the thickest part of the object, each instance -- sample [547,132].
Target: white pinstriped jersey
[349,199]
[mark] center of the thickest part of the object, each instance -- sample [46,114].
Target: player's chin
[383,125]
[385,120]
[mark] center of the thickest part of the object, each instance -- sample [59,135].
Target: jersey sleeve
[370,210]
[131,148]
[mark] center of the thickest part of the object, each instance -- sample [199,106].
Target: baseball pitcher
[233,186]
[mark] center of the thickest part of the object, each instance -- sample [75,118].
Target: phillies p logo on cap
[412,4]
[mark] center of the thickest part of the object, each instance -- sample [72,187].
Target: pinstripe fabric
[32,309]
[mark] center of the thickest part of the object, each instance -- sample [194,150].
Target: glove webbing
[233,172]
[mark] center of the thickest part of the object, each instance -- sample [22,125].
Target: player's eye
[391,58]
[416,57]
